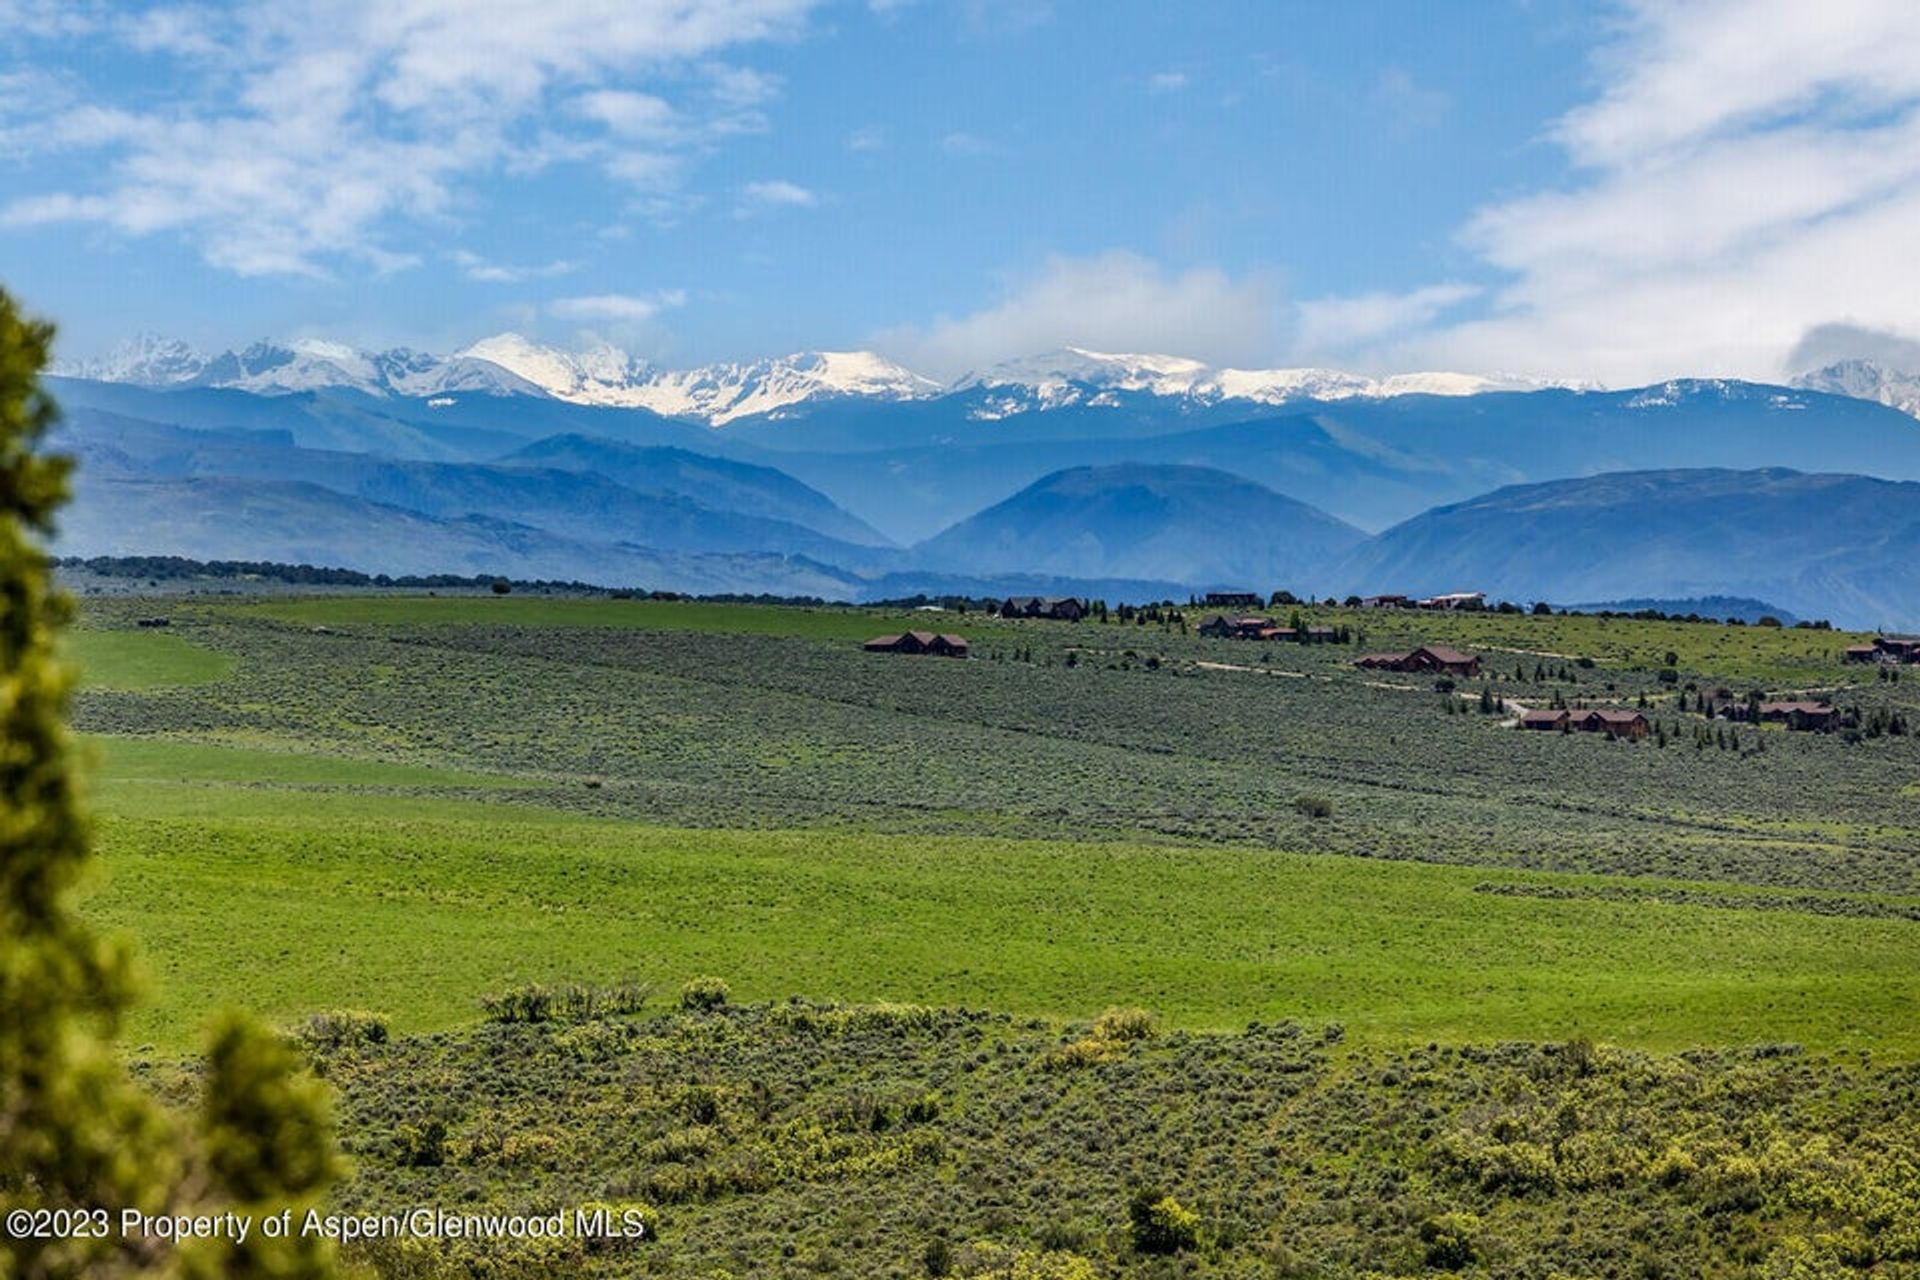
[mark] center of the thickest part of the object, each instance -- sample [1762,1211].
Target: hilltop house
[1615,724]
[1456,600]
[1248,628]
[1387,602]
[1233,600]
[928,642]
[1058,608]
[1428,657]
[1900,649]
[1799,714]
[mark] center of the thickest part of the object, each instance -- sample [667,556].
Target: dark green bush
[1160,1224]
[701,994]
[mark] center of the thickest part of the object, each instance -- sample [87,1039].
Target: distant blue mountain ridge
[1682,491]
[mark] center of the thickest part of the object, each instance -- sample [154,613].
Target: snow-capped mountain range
[511,365]
[1073,375]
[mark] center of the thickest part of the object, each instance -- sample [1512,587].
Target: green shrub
[421,1146]
[701,994]
[1315,807]
[337,1029]
[1160,1224]
[1451,1239]
[1124,1024]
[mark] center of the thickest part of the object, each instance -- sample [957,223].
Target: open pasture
[373,810]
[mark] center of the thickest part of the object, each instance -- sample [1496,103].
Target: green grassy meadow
[295,902]
[403,804]
[1427,994]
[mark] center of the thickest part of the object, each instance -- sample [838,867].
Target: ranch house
[1428,657]
[927,642]
[1058,608]
[1891,649]
[1615,724]
[1798,715]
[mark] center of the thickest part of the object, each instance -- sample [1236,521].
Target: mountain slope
[715,482]
[569,503]
[1822,546]
[1190,525]
[1371,462]
[223,518]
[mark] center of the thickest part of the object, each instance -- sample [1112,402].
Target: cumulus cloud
[474,267]
[1827,344]
[1114,301]
[1750,171]
[779,193]
[1330,326]
[614,308]
[339,124]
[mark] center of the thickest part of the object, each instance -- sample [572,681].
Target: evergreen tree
[75,1131]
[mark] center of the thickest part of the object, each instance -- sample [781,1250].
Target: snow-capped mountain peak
[147,359]
[1865,380]
[718,393]
[1074,375]
[509,364]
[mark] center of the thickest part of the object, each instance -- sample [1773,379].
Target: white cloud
[616,308]
[1750,172]
[1115,301]
[1329,326]
[476,268]
[779,193]
[962,143]
[1828,344]
[631,114]
[330,127]
[1166,81]
[867,138]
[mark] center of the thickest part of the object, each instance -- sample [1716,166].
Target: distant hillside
[224,518]
[911,469]
[1823,546]
[715,482]
[679,501]
[1717,607]
[1190,525]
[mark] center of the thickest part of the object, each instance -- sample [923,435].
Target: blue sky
[1547,188]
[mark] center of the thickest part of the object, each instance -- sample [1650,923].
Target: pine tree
[75,1131]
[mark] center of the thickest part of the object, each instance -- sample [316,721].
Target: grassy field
[1429,994]
[826,622]
[384,803]
[141,660]
[295,901]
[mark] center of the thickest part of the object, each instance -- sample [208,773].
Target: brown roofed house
[1428,657]
[1554,718]
[928,642]
[1799,715]
[1615,724]
[1058,608]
